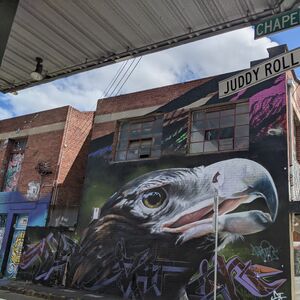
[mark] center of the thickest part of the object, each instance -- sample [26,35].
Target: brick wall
[138,100]
[152,97]
[40,147]
[73,157]
[296,114]
[34,120]
[65,150]
[102,129]
[43,146]
[4,155]
[60,148]
[297,136]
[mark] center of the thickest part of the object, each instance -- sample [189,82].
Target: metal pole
[216,227]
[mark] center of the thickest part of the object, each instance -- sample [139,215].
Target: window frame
[137,120]
[218,108]
[14,150]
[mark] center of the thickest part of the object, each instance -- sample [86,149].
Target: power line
[85,124]
[117,85]
[118,73]
[128,76]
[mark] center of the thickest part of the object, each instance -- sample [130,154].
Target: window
[139,139]
[14,165]
[220,129]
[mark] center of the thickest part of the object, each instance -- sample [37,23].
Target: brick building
[158,162]
[151,150]
[42,161]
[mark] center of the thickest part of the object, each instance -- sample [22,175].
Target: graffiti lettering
[49,257]
[251,277]
[265,251]
[16,250]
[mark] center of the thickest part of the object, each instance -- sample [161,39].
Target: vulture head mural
[167,215]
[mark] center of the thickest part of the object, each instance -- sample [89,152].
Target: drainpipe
[216,229]
[291,130]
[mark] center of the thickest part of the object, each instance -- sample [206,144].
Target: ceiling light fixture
[37,75]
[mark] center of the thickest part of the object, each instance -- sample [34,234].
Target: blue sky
[291,37]
[220,54]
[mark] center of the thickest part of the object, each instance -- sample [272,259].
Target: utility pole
[216,227]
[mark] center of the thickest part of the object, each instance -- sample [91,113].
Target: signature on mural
[278,296]
[265,251]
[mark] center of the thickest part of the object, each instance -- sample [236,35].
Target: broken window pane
[211,146]
[196,147]
[137,138]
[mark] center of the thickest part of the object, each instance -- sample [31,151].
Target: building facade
[161,169]
[41,174]
[159,163]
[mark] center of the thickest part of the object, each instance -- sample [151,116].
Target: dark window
[220,129]
[139,139]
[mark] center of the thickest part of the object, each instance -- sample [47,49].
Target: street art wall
[16,213]
[154,237]
[13,172]
[45,255]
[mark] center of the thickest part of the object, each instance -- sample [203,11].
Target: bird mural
[169,212]
[167,215]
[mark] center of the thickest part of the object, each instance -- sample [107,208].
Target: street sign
[277,23]
[261,72]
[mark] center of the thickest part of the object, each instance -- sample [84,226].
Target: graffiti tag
[265,251]
[278,296]
[232,273]
[141,274]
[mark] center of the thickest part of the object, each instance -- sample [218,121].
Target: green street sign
[277,23]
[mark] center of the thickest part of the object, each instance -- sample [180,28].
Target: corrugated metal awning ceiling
[73,36]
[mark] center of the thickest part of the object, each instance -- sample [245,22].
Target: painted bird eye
[154,198]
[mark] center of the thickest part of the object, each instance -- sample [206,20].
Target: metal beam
[8,10]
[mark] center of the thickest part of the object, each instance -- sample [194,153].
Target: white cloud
[220,54]
[5,113]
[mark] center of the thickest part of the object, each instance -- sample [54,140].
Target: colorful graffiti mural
[154,237]
[16,246]
[162,210]
[13,172]
[255,279]
[13,204]
[47,259]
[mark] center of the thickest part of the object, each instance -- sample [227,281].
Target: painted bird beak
[253,186]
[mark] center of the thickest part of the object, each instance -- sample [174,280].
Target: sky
[212,56]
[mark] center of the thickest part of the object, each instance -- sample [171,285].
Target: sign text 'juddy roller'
[268,69]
